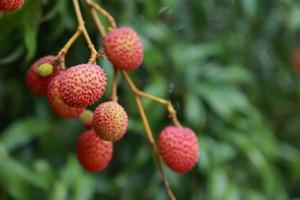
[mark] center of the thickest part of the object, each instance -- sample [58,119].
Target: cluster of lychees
[71,91]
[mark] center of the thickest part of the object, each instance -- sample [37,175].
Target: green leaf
[217,184]
[85,187]
[233,74]
[225,100]
[250,7]
[31,26]
[193,53]
[14,170]
[232,192]
[59,192]
[194,111]
[22,132]
[70,171]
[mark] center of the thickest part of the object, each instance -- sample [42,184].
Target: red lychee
[178,147]
[57,105]
[110,121]
[124,48]
[82,85]
[93,153]
[11,5]
[39,84]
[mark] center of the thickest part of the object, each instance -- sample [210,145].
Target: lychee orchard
[70,90]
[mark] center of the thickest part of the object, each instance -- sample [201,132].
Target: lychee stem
[60,58]
[149,133]
[82,28]
[99,25]
[167,103]
[114,88]
[107,15]
[154,146]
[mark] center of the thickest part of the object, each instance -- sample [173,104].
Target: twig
[167,103]
[99,25]
[114,95]
[154,146]
[82,28]
[106,14]
[60,58]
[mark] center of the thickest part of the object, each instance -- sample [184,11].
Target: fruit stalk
[167,103]
[154,146]
[60,58]
[99,26]
[114,88]
[82,28]
[107,15]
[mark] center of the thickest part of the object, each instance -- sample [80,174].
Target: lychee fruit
[93,153]
[110,121]
[86,118]
[11,5]
[57,105]
[124,48]
[82,85]
[178,147]
[38,78]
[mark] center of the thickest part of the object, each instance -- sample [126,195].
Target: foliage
[227,69]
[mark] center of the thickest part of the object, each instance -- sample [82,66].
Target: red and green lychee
[86,118]
[40,74]
[110,121]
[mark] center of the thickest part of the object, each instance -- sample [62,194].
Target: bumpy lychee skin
[11,5]
[110,121]
[57,105]
[82,85]
[36,83]
[93,153]
[124,49]
[178,147]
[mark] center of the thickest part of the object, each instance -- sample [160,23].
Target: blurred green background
[226,66]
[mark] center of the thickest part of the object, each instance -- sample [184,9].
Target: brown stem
[114,94]
[82,29]
[167,103]
[149,134]
[60,58]
[96,19]
[102,11]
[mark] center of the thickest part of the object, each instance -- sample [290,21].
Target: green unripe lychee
[87,118]
[45,69]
